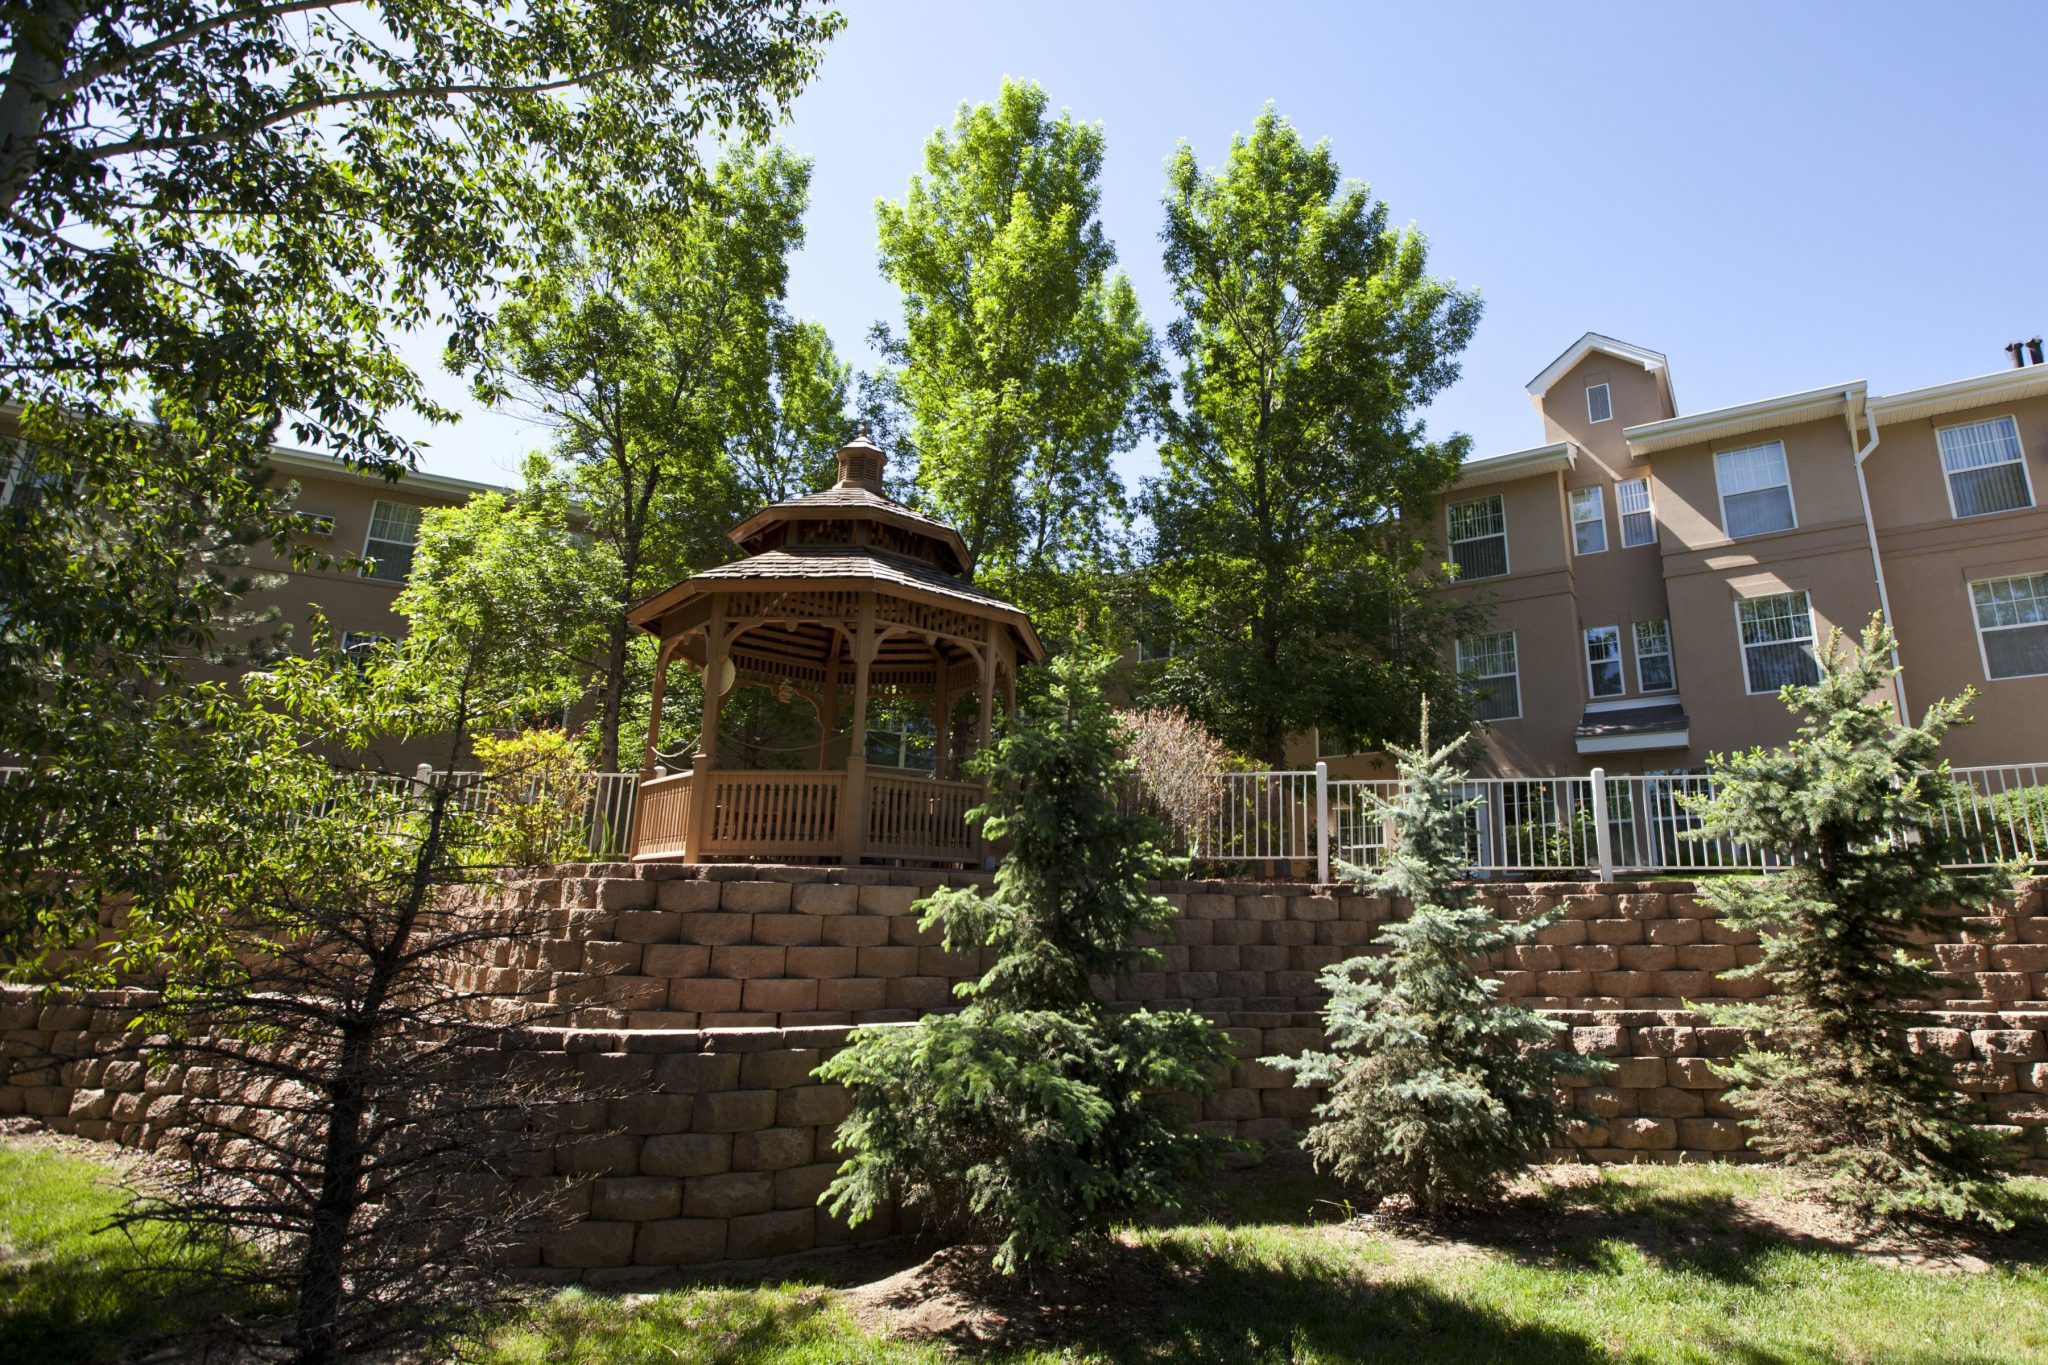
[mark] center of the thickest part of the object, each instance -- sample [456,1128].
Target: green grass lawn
[1695,1263]
[72,1288]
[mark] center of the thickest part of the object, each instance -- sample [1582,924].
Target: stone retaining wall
[705,996]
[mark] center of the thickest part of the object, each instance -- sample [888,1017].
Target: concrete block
[780,1233]
[704,994]
[674,960]
[716,928]
[680,1241]
[779,995]
[730,1195]
[687,1154]
[787,930]
[588,1246]
[855,931]
[773,1149]
[825,898]
[635,1198]
[734,1111]
[778,1068]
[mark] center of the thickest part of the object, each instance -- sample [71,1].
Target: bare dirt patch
[955,1297]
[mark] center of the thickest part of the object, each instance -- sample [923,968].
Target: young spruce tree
[1438,1089]
[1035,1117]
[1854,806]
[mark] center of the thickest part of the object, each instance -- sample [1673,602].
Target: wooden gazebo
[845,598]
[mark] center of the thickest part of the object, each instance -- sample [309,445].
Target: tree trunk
[614,693]
[316,1336]
[42,42]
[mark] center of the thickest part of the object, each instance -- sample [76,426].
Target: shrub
[1175,761]
[538,784]
[1832,1084]
[1438,1089]
[1036,1118]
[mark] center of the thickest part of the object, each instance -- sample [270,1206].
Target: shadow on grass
[701,1327]
[102,1303]
[1202,1301]
[1719,1228]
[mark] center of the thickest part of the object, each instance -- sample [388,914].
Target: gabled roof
[1654,361]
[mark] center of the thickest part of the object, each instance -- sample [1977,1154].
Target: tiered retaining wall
[705,996]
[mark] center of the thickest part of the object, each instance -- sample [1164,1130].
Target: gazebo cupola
[845,598]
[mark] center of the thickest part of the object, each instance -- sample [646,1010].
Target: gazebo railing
[781,814]
[911,815]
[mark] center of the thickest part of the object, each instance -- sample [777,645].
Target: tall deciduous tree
[657,347]
[1292,535]
[1026,366]
[1858,807]
[218,214]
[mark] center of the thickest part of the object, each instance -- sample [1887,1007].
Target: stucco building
[1653,578]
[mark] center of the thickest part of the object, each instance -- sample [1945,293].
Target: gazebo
[845,598]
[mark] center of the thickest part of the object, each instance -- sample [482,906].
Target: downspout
[1884,600]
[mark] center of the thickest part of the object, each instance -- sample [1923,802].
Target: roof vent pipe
[2018,351]
[2034,350]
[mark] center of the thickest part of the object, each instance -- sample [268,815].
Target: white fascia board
[2000,386]
[308,462]
[1518,464]
[1783,411]
[1622,744]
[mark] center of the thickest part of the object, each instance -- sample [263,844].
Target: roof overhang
[1623,744]
[901,517]
[1656,362]
[1519,464]
[649,613]
[1788,410]
[307,462]
[2000,386]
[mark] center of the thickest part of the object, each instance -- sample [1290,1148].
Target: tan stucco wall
[1930,558]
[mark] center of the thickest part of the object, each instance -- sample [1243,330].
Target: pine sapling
[1854,806]
[1036,1118]
[1438,1089]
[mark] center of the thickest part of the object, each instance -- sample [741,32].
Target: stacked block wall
[705,996]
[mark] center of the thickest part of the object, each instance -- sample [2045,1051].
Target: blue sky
[1777,196]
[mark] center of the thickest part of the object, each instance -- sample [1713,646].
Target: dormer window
[1599,403]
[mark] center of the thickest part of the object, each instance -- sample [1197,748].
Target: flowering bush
[1176,761]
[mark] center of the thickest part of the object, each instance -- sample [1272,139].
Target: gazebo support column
[661,663]
[853,815]
[706,758]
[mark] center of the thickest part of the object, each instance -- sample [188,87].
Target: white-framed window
[394,530]
[1599,403]
[1589,521]
[1487,664]
[1653,656]
[1603,661]
[1632,506]
[24,478]
[1479,537]
[1756,492]
[1985,468]
[2012,625]
[1777,641]
[357,645]
[318,523]
[900,735]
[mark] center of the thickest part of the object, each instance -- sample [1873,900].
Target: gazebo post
[828,707]
[706,758]
[662,658]
[942,706]
[853,832]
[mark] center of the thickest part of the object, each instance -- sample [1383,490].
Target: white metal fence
[1604,824]
[1600,824]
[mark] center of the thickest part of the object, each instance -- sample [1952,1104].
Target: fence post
[1322,824]
[423,776]
[1603,837]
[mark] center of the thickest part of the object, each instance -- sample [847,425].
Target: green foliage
[1027,366]
[1438,1089]
[504,583]
[1292,518]
[541,784]
[654,342]
[1832,1084]
[219,217]
[1035,1117]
